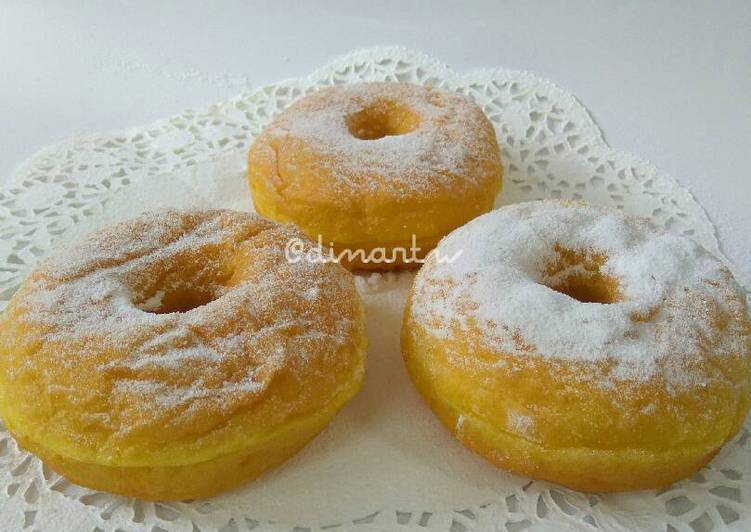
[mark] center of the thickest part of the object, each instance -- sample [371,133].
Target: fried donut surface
[178,354]
[580,346]
[367,166]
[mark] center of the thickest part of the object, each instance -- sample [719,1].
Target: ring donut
[366,167]
[178,354]
[580,346]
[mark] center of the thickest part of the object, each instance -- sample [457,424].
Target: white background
[669,81]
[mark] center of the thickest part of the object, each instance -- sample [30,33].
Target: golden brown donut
[367,166]
[178,354]
[580,346]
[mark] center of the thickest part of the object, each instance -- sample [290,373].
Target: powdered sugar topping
[179,319]
[447,148]
[672,293]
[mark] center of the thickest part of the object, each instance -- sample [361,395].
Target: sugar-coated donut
[580,346]
[367,166]
[178,354]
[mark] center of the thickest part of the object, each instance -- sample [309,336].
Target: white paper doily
[384,463]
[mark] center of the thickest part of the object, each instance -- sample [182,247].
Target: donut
[376,172]
[580,346]
[178,354]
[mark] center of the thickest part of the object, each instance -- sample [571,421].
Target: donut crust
[573,449]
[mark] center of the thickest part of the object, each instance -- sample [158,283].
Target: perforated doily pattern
[551,148]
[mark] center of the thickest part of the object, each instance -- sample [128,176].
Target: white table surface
[669,81]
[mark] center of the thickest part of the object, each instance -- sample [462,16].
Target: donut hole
[184,291]
[579,275]
[587,289]
[177,300]
[384,119]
